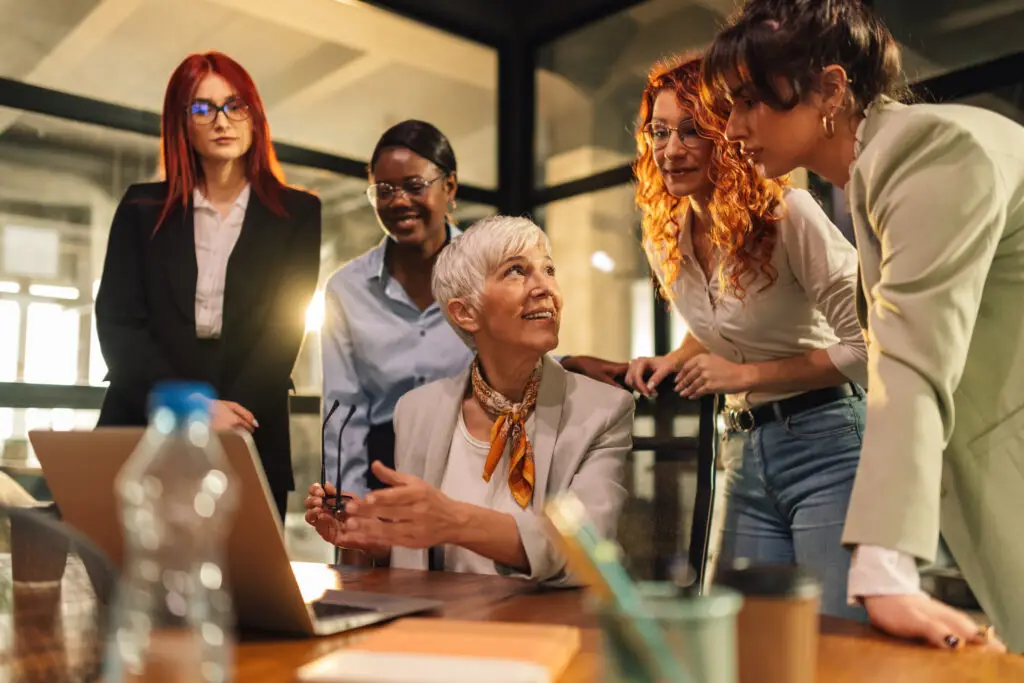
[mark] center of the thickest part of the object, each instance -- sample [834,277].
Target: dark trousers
[380,445]
[281,501]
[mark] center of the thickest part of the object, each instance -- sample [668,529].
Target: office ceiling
[497,20]
[335,73]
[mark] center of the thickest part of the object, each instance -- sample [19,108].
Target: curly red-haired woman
[766,285]
[208,274]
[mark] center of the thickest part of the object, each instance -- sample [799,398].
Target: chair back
[58,588]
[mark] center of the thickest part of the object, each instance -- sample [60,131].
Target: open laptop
[270,593]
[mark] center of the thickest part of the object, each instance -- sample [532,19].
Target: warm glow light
[315,312]
[315,580]
[602,261]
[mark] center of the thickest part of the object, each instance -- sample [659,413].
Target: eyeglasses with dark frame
[205,112]
[339,499]
[385,193]
[658,134]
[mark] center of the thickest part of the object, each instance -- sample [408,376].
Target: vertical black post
[667,506]
[516,112]
[662,325]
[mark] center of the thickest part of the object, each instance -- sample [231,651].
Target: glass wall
[939,36]
[333,75]
[589,83]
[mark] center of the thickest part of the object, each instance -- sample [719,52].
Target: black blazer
[145,312]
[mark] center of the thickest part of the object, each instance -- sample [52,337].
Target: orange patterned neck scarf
[509,428]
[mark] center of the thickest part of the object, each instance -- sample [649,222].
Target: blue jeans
[788,493]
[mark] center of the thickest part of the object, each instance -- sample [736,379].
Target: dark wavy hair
[774,42]
[744,206]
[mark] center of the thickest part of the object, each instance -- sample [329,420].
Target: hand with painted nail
[225,415]
[921,617]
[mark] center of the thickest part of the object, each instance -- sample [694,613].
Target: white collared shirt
[811,305]
[215,236]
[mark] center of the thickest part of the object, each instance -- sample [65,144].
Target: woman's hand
[411,513]
[334,527]
[711,374]
[660,367]
[225,415]
[921,617]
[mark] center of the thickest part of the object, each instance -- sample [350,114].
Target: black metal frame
[32,98]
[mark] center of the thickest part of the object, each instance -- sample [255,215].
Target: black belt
[749,420]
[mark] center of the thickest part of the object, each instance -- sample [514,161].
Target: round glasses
[385,193]
[205,112]
[658,135]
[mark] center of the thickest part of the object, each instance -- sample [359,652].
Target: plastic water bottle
[173,620]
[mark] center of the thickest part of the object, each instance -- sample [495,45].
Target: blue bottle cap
[183,399]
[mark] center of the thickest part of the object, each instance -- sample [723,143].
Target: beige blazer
[581,432]
[937,196]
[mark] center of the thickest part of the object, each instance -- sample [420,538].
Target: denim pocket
[838,418]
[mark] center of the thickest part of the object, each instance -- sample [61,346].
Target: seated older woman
[478,455]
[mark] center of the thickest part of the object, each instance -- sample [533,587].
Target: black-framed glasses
[658,134]
[339,500]
[385,193]
[205,112]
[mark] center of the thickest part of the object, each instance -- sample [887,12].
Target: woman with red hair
[766,285]
[208,273]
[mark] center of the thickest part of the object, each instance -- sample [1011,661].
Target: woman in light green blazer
[937,197]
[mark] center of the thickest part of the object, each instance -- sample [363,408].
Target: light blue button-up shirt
[376,345]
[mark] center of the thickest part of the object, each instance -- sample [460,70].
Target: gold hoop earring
[828,123]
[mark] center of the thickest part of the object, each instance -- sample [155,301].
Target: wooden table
[849,652]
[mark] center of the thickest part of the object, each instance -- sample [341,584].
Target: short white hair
[463,266]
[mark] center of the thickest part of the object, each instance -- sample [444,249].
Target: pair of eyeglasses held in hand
[339,499]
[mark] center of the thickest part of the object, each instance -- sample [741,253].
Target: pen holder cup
[700,632]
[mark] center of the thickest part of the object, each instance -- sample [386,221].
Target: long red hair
[178,158]
[744,206]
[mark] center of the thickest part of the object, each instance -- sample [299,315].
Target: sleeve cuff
[546,564]
[881,571]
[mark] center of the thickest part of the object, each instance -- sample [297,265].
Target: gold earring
[828,123]
[451,206]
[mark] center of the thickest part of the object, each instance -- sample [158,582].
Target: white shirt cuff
[881,571]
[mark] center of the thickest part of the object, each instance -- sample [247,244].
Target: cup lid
[770,581]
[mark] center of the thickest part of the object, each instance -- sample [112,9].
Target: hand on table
[595,368]
[410,513]
[336,528]
[226,415]
[921,617]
